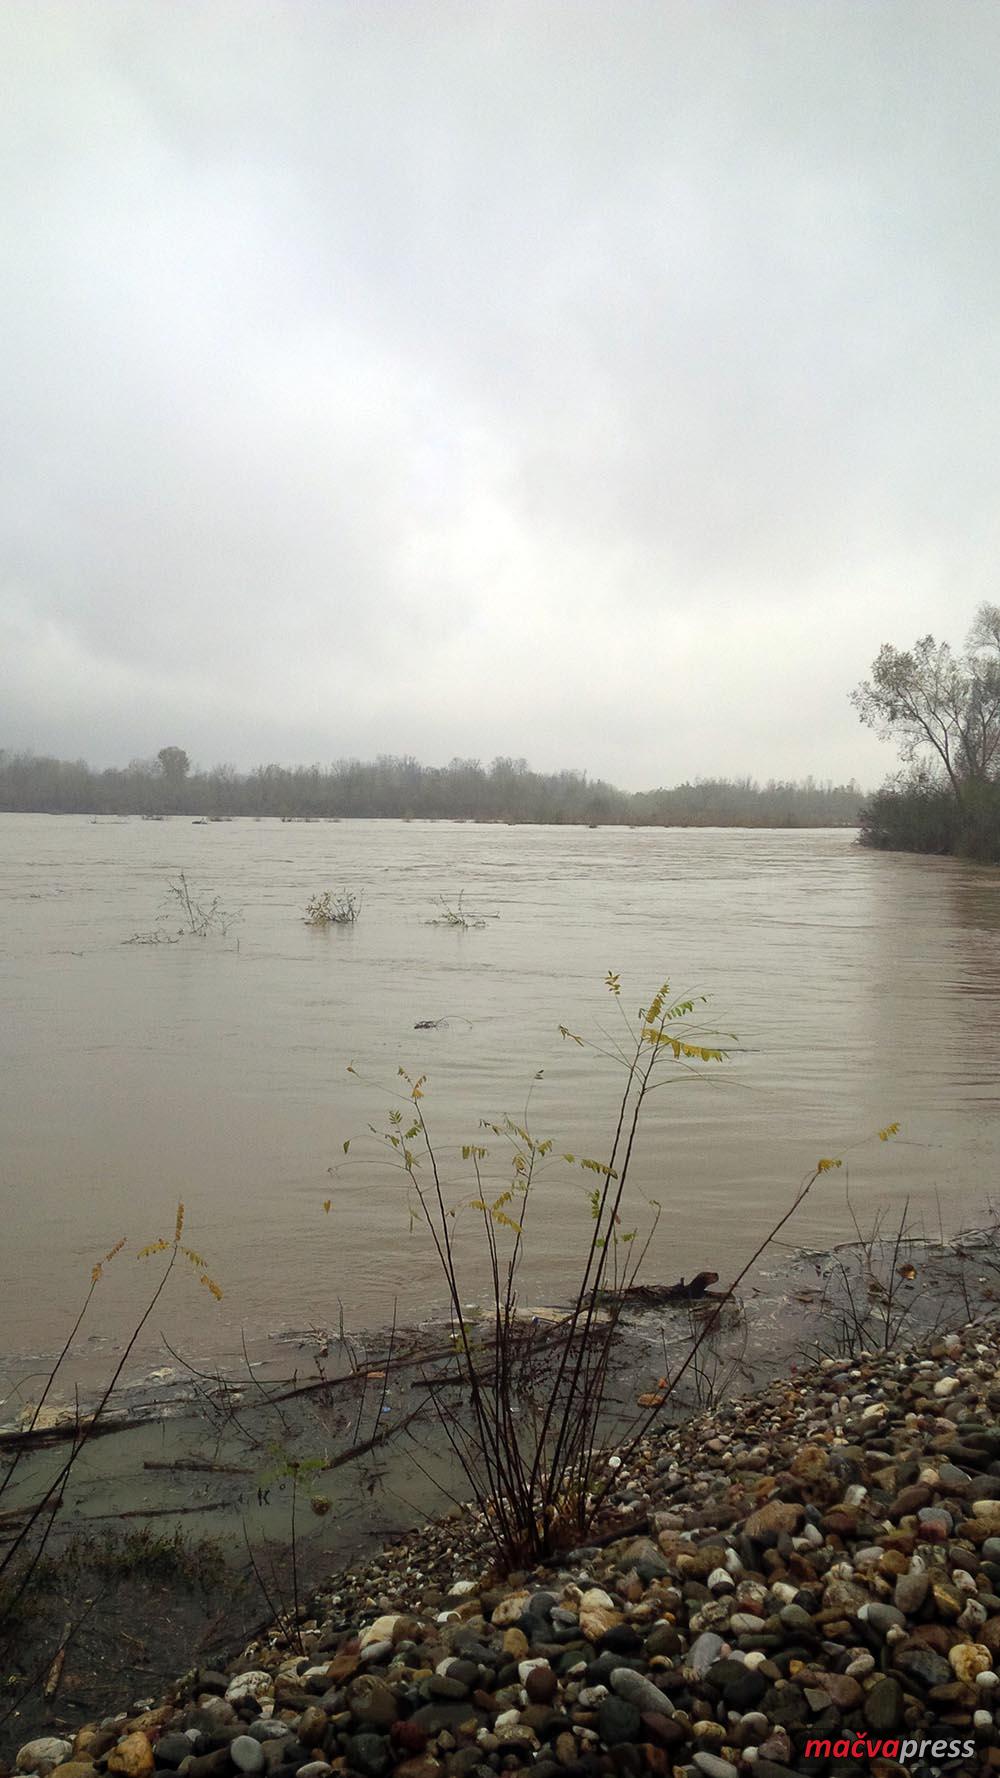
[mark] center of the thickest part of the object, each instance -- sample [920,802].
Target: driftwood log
[651,1296]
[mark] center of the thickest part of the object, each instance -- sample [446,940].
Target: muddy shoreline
[819,1560]
[179,1520]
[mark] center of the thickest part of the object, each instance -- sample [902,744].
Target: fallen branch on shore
[164,1512]
[41,1437]
[13,1515]
[54,1676]
[371,1444]
[197,1464]
[536,1335]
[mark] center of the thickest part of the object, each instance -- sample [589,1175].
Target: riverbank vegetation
[943,712]
[392,788]
[539,1450]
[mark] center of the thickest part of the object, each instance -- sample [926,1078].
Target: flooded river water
[864,988]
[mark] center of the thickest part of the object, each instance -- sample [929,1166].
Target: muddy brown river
[863,988]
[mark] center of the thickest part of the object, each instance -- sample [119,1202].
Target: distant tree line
[943,711]
[400,788]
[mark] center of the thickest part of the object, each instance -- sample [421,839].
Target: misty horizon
[147,761]
[558,381]
[392,787]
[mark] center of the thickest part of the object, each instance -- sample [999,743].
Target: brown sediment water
[863,988]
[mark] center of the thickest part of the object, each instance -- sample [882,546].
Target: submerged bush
[199,917]
[458,918]
[333,910]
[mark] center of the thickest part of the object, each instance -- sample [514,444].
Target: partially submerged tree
[930,700]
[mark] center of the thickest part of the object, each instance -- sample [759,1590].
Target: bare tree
[926,698]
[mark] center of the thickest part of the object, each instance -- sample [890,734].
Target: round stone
[41,1755]
[618,1722]
[246,1753]
[541,1684]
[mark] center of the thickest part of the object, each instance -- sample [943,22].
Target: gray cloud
[601,384]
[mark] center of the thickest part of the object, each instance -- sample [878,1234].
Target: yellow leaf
[507,1222]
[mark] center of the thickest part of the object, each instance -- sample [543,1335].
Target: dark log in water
[650,1296]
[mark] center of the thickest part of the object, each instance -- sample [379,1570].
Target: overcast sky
[599,383]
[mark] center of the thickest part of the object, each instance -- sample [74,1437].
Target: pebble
[969,1660]
[41,1755]
[823,1556]
[253,1684]
[882,1617]
[883,1706]
[247,1754]
[946,1386]
[703,1652]
[640,1691]
[910,1592]
[618,1721]
[714,1767]
[132,1756]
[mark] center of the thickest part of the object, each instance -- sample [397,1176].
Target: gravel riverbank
[816,1564]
